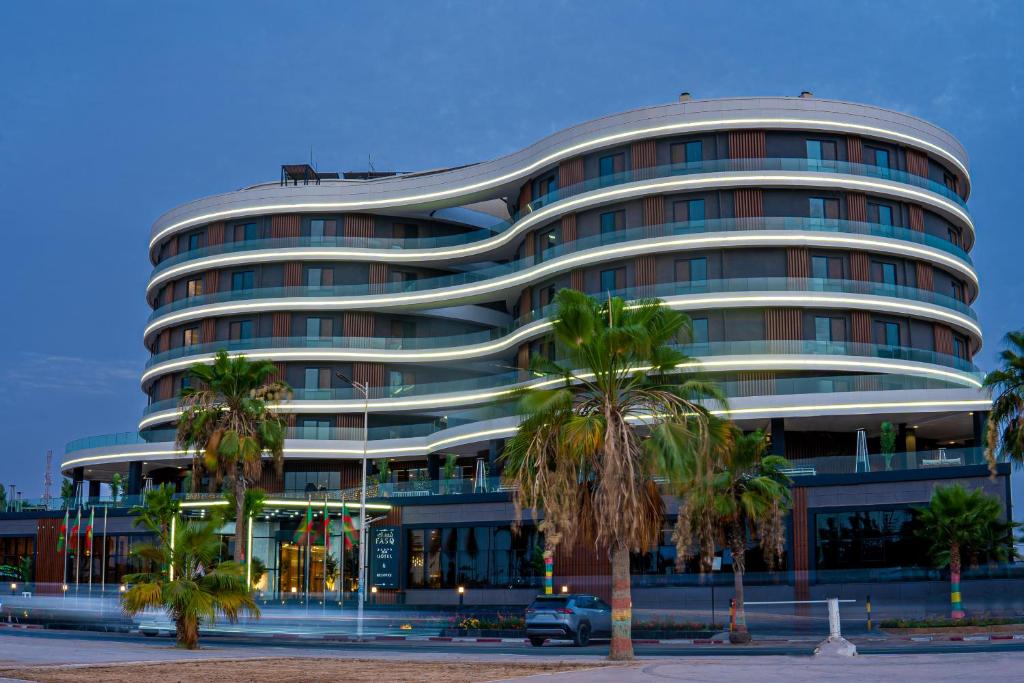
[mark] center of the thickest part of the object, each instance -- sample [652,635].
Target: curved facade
[822,249]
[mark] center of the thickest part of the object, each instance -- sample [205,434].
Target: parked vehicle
[574,616]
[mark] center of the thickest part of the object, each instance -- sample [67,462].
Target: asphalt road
[53,647]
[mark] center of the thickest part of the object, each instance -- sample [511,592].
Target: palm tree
[737,496]
[189,583]
[228,424]
[959,524]
[159,507]
[1005,433]
[579,453]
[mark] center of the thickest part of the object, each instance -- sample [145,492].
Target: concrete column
[778,431]
[979,424]
[94,489]
[434,466]
[134,479]
[77,478]
[494,451]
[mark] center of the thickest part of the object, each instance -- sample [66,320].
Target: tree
[67,492]
[159,507]
[3,498]
[188,582]
[228,423]
[1005,428]
[961,524]
[116,486]
[887,442]
[738,495]
[587,451]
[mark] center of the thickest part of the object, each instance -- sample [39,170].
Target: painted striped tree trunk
[622,606]
[954,583]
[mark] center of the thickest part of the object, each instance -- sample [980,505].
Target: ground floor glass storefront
[473,556]
[866,539]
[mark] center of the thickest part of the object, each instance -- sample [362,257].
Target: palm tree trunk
[187,631]
[622,606]
[739,634]
[954,582]
[239,515]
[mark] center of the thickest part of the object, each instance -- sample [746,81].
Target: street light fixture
[462,595]
[364,389]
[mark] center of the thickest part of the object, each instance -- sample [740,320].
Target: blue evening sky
[113,112]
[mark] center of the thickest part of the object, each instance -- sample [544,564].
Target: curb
[971,637]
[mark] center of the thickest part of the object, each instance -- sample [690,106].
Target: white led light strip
[594,254]
[736,178]
[824,408]
[524,171]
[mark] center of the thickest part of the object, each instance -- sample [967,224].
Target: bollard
[732,614]
[867,604]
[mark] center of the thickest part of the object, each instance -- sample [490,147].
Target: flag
[347,527]
[73,541]
[62,537]
[327,529]
[306,529]
[88,531]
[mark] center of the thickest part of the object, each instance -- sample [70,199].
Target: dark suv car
[575,616]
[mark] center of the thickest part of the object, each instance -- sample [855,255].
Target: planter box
[482,633]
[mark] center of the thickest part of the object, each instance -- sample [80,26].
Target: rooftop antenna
[48,478]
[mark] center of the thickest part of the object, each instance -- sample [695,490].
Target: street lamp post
[364,389]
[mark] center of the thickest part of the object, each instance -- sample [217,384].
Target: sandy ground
[291,670]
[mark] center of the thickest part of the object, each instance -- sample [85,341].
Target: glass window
[687,152]
[819,267]
[822,208]
[862,539]
[822,329]
[692,270]
[612,221]
[888,271]
[185,382]
[241,280]
[241,329]
[245,232]
[314,277]
[688,211]
[194,241]
[881,158]
[958,291]
[190,336]
[313,327]
[821,150]
[194,287]
[613,279]
[315,428]
[888,333]
[959,348]
[609,165]
[880,213]
[545,186]
[700,330]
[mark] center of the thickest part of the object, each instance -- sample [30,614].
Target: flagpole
[341,555]
[88,539]
[327,549]
[64,583]
[309,532]
[103,561]
[78,549]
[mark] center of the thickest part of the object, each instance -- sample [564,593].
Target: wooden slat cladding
[165,388]
[211,282]
[285,226]
[525,303]
[917,163]
[654,211]
[576,280]
[584,568]
[860,327]
[755,383]
[280,374]
[371,373]
[645,275]
[570,173]
[281,324]
[782,323]
[569,228]
[925,276]
[49,563]
[208,330]
[860,266]
[800,544]
[163,341]
[292,274]
[523,357]
[270,480]
[748,203]
[358,225]
[524,197]
[643,157]
[746,144]
[351,470]
[358,324]
[172,247]
[798,262]
[854,150]
[215,234]
[529,242]
[349,421]
[856,206]
[916,218]
[378,277]
[943,339]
